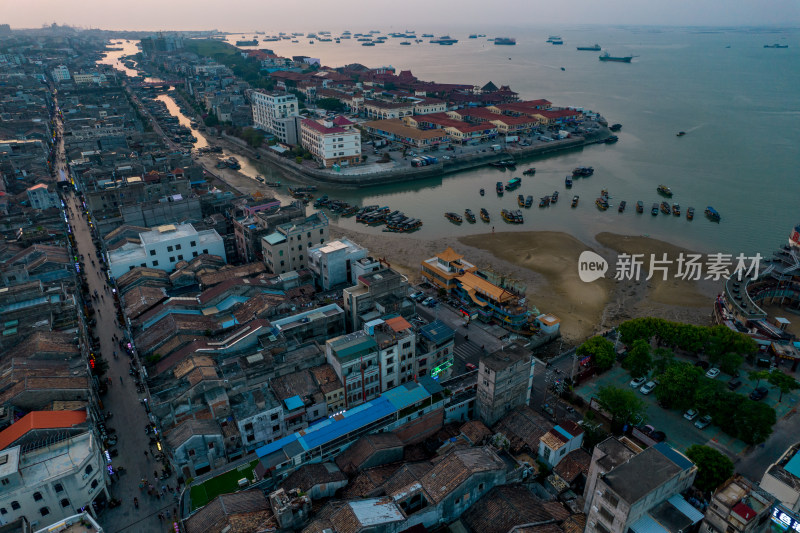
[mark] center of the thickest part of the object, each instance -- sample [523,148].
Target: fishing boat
[552,38]
[485,215]
[776,45]
[469,215]
[568,182]
[233,163]
[454,218]
[528,201]
[272,183]
[663,190]
[520,200]
[654,210]
[690,213]
[621,207]
[680,134]
[605,56]
[529,172]
[601,203]
[513,183]
[321,201]
[503,163]
[554,197]
[499,188]
[544,201]
[615,127]
[676,210]
[604,193]
[518,219]
[483,192]
[405,43]
[639,207]
[582,171]
[575,200]
[444,40]
[508,41]
[611,139]
[665,208]
[512,217]
[712,214]
[595,48]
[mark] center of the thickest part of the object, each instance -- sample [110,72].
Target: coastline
[546,261]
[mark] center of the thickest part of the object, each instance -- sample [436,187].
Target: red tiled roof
[342,121]
[40,420]
[314,125]
[744,511]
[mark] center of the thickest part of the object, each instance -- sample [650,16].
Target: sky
[310,15]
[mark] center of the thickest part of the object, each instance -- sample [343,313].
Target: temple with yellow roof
[501,303]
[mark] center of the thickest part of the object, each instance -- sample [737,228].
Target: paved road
[129,416]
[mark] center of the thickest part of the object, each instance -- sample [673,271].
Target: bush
[298,160]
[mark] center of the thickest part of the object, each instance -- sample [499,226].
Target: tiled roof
[243,512]
[314,125]
[456,468]
[40,420]
[190,363]
[212,278]
[476,431]
[326,378]
[504,507]
[573,464]
[523,426]
[351,460]
[574,524]
[140,299]
[309,475]
[42,344]
[183,431]
[368,482]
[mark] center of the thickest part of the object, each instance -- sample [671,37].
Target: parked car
[759,394]
[702,364]
[414,295]
[658,436]
[427,300]
[712,372]
[648,387]
[703,422]
[470,367]
[638,382]
[734,384]
[691,414]
[432,302]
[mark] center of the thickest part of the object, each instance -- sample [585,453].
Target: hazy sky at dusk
[309,15]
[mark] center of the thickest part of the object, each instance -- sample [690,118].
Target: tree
[758,375]
[663,359]
[638,360]
[600,349]
[211,120]
[784,382]
[677,385]
[753,421]
[253,137]
[622,404]
[730,363]
[713,467]
[330,104]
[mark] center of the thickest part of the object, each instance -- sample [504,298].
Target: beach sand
[547,263]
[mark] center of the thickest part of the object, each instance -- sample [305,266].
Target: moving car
[712,372]
[759,394]
[691,414]
[648,387]
[471,367]
[703,422]
[638,382]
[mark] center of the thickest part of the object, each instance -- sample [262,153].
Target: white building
[332,263]
[165,246]
[333,142]
[287,248]
[396,342]
[272,113]
[85,79]
[83,520]
[52,482]
[782,479]
[60,73]
[41,197]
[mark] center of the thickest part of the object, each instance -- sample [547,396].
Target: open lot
[680,432]
[227,482]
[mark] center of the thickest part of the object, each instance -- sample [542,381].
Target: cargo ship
[776,45]
[252,42]
[444,40]
[509,41]
[617,59]
[595,48]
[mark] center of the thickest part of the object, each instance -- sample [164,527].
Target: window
[194,254]
[274,416]
[65,503]
[321,232]
[299,246]
[390,384]
[193,243]
[309,235]
[88,470]
[45,511]
[37,496]
[205,251]
[3,511]
[276,428]
[301,257]
[191,453]
[611,499]
[480,487]
[598,526]
[155,263]
[607,515]
[180,258]
[5,481]
[169,248]
[143,265]
[177,246]
[15,506]
[152,252]
[210,445]
[94,483]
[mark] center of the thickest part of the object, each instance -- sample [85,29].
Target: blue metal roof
[274,446]
[437,331]
[646,524]
[563,432]
[677,458]
[686,508]
[293,403]
[405,395]
[793,466]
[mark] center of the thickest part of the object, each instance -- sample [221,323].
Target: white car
[648,387]
[638,382]
[703,422]
[691,414]
[712,372]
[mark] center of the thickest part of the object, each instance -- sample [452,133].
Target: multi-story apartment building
[333,142]
[643,489]
[273,112]
[505,381]
[164,247]
[51,482]
[435,355]
[354,358]
[738,506]
[378,293]
[287,248]
[41,197]
[60,73]
[332,262]
[396,342]
[782,479]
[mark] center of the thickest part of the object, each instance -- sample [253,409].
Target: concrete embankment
[394,175]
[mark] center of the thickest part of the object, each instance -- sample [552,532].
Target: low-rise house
[739,506]
[559,441]
[782,479]
[395,130]
[377,294]
[233,513]
[287,248]
[332,262]
[318,480]
[370,451]
[513,508]
[382,110]
[196,446]
[41,196]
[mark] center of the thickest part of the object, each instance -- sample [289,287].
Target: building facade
[332,262]
[505,381]
[271,111]
[333,142]
[41,197]
[354,358]
[60,73]
[377,294]
[288,247]
[738,506]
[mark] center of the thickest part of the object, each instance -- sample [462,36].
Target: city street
[129,417]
